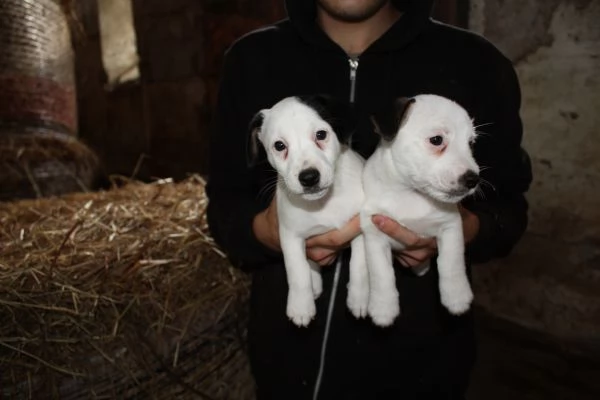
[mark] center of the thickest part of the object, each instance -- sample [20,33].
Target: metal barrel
[39,151]
[37,79]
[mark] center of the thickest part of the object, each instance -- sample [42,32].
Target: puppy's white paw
[317,284]
[456,295]
[358,299]
[384,307]
[301,307]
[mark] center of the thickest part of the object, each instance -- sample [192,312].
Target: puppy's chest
[311,226]
[313,222]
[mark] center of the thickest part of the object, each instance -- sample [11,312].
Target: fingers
[418,249]
[396,231]
[327,260]
[337,238]
[399,233]
[414,258]
[323,249]
[321,256]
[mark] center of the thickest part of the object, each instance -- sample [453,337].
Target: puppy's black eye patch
[321,135]
[436,140]
[279,145]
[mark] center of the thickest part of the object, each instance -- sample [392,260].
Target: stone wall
[551,280]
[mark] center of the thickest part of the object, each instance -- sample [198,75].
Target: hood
[302,14]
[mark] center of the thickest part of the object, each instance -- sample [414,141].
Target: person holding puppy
[368,52]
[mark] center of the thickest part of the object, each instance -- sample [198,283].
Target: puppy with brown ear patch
[319,188]
[421,169]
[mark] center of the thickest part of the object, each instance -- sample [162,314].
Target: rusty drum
[39,151]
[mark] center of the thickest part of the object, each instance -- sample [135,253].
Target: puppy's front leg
[384,305]
[300,303]
[455,290]
[358,285]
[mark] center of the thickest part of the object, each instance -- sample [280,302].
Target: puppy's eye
[279,145]
[436,140]
[321,135]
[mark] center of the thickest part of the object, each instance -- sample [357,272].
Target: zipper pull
[353,67]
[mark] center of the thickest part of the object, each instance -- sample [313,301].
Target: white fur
[410,181]
[306,212]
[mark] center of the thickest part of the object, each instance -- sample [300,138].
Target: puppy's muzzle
[469,179]
[309,178]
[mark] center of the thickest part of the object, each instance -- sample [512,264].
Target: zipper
[338,265]
[353,67]
[332,296]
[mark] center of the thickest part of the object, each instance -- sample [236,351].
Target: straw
[119,294]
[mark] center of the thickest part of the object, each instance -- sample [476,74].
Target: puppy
[319,188]
[421,169]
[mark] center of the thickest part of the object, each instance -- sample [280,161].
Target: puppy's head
[300,143]
[430,138]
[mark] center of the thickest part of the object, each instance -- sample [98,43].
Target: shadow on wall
[158,126]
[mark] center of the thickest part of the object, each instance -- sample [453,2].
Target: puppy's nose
[469,179]
[309,177]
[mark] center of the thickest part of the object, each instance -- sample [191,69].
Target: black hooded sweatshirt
[426,350]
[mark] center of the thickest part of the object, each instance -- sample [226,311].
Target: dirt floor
[518,364]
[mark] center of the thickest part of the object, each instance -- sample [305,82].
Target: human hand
[266,226]
[419,249]
[470,223]
[323,248]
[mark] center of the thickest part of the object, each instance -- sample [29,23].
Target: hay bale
[43,164]
[119,294]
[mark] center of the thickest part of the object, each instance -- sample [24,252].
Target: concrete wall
[552,280]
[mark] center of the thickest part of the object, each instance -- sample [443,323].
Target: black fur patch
[389,119]
[337,113]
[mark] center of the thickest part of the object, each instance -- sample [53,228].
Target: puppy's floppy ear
[402,105]
[388,120]
[253,145]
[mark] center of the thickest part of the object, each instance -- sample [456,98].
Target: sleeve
[232,186]
[505,166]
